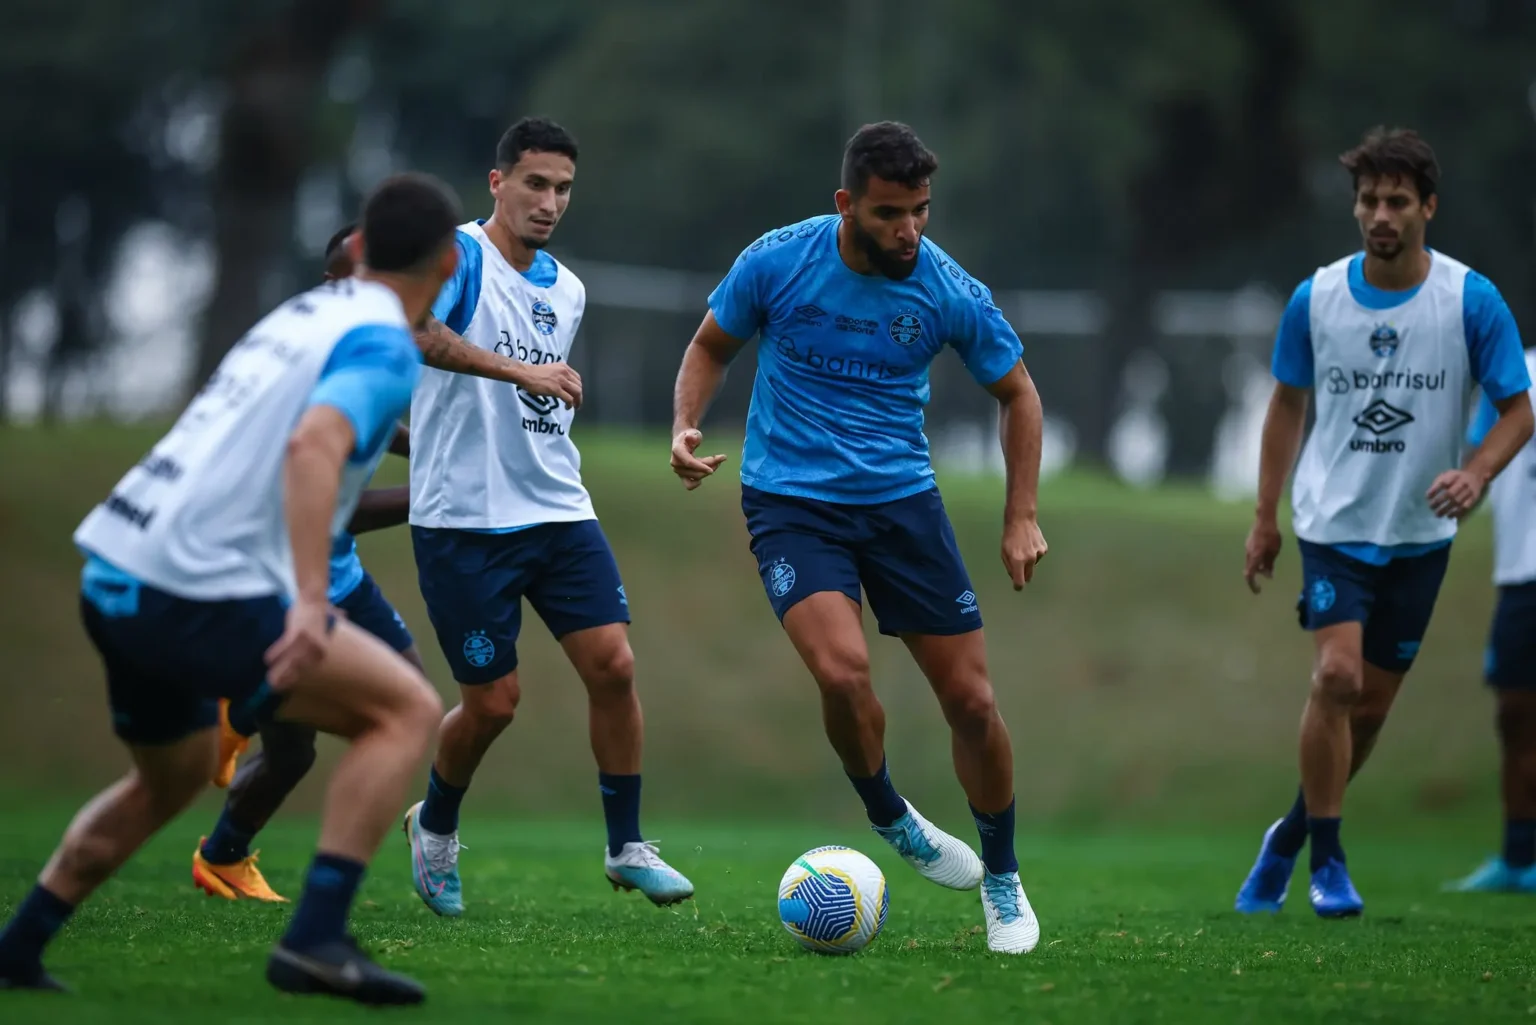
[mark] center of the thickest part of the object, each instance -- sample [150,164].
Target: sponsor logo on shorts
[1321,595]
[623,598]
[479,650]
[1408,650]
[967,602]
[781,578]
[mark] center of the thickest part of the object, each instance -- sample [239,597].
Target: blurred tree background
[167,171]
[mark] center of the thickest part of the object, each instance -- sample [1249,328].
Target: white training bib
[1391,393]
[202,515]
[1512,496]
[486,455]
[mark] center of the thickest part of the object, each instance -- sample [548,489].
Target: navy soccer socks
[1290,836]
[440,811]
[621,809]
[882,803]
[329,889]
[37,920]
[1520,843]
[229,842]
[996,840]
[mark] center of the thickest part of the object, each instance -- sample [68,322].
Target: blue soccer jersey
[842,367]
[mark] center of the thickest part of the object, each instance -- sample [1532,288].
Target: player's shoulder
[943,275]
[790,243]
[565,283]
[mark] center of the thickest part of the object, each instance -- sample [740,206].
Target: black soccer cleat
[32,977]
[340,969]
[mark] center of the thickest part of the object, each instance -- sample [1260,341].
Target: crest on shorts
[479,649]
[1321,595]
[781,578]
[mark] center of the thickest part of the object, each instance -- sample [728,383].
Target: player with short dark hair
[839,494]
[206,572]
[1389,343]
[1510,660]
[223,864]
[499,512]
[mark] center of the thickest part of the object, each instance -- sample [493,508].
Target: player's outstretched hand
[1023,548]
[306,636]
[556,380]
[691,468]
[1455,493]
[1262,550]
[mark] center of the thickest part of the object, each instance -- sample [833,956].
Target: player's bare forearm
[1021,424]
[311,480]
[705,363]
[1505,438]
[1284,424]
[400,444]
[381,508]
[445,349]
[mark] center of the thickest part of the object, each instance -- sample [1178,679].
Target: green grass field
[1137,928]
[1153,705]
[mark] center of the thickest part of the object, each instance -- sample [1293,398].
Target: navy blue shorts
[1394,602]
[369,609]
[474,585]
[169,660]
[1511,657]
[902,553]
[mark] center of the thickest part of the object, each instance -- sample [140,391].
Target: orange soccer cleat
[232,882]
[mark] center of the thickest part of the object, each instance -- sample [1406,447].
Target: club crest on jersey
[544,319]
[479,649]
[1384,340]
[906,328]
[781,578]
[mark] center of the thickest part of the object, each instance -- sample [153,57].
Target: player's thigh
[473,587]
[577,586]
[955,665]
[912,571]
[172,774]
[827,630]
[1509,664]
[601,656]
[804,548]
[367,607]
[360,685]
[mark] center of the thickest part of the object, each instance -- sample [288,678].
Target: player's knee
[493,706]
[842,674]
[970,708]
[1339,679]
[611,675]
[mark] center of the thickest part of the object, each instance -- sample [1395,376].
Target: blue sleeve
[1493,340]
[1482,422]
[978,331]
[369,377]
[737,302]
[1292,362]
[455,304]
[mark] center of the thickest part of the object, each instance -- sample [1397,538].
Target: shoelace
[1004,896]
[442,854]
[648,856]
[916,843]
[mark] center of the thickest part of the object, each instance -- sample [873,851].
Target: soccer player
[222,864]
[206,577]
[839,493]
[1511,659]
[499,512]
[1390,342]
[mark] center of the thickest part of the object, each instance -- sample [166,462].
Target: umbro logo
[967,602]
[810,311]
[1381,417]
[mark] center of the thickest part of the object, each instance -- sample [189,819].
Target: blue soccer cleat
[1495,876]
[434,866]
[1268,881]
[1333,895]
[639,867]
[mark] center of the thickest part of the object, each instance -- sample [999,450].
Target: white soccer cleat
[639,867]
[937,856]
[434,866]
[1012,927]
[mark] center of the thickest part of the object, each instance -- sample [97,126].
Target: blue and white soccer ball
[833,900]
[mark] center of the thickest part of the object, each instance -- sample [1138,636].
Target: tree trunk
[265,146]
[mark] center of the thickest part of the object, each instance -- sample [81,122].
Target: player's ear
[354,248]
[844,200]
[495,180]
[1430,206]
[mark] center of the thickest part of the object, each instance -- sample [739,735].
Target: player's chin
[897,269]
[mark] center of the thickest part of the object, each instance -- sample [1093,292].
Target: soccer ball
[833,900]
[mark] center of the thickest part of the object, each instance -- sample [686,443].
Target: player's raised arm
[444,349]
[1020,426]
[698,380]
